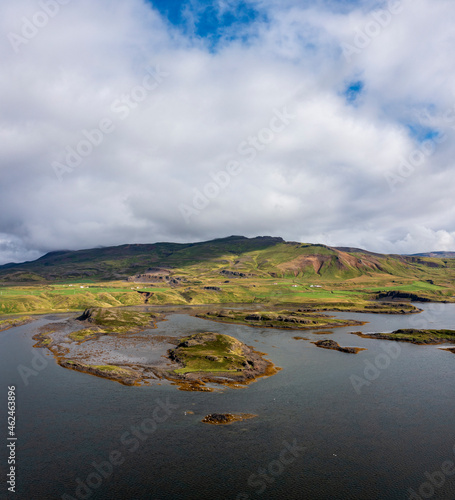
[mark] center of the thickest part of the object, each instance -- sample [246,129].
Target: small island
[216,358]
[285,319]
[226,418]
[331,344]
[415,336]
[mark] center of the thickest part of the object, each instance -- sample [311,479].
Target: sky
[143,121]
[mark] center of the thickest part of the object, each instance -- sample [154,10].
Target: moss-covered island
[283,319]
[420,337]
[216,358]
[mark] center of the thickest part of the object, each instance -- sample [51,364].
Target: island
[216,358]
[118,344]
[415,336]
[226,418]
[331,344]
[299,319]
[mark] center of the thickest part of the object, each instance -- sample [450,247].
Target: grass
[216,354]
[277,319]
[39,298]
[111,369]
[116,320]
[422,336]
[11,323]
[277,272]
[84,334]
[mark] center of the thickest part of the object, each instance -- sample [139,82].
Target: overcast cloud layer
[305,120]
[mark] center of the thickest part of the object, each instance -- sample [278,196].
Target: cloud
[141,113]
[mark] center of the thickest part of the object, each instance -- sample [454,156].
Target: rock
[331,344]
[226,418]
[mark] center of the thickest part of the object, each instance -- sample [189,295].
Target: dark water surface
[330,425]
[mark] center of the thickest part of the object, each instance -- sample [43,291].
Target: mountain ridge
[261,256]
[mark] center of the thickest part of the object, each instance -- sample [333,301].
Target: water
[371,443]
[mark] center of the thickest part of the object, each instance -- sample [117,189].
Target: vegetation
[112,368]
[85,334]
[209,352]
[6,324]
[116,320]
[296,320]
[231,270]
[415,336]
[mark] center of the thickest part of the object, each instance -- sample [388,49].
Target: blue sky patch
[353,90]
[421,133]
[208,19]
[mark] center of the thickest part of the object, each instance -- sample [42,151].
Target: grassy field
[43,298]
[230,270]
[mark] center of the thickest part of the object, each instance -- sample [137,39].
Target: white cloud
[320,178]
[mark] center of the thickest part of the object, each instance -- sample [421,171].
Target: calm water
[371,443]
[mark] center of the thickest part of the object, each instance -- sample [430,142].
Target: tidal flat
[119,344]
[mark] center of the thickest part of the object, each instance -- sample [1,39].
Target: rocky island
[283,319]
[226,418]
[217,358]
[331,344]
[419,337]
[118,344]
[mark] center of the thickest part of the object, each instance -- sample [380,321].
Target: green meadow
[261,270]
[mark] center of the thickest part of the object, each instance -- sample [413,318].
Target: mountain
[234,256]
[439,255]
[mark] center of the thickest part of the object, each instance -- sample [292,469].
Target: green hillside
[234,269]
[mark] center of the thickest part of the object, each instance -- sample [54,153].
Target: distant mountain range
[259,257]
[439,255]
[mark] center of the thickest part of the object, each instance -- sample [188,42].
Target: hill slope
[232,257]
